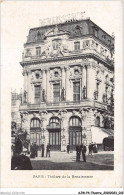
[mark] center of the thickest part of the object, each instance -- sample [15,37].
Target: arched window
[35,123]
[97,121]
[75,121]
[77,46]
[54,122]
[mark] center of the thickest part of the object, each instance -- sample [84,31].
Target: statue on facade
[84,92]
[25,96]
[104,98]
[95,95]
[43,96]
[63,94]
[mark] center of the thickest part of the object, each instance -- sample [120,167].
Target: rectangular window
[56,92]
[97,88]
[76,91]
[86,44]
[37,94]
[77,46]
[38,51]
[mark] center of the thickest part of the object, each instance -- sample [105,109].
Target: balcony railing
[88,50]
[64,104]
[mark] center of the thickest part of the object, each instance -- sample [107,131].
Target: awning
[98,134]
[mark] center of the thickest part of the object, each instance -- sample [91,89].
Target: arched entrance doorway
[75,132]
[35,131]
[54,130]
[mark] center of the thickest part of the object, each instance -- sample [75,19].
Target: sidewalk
[61,160]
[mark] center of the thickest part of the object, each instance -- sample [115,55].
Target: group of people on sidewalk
[34,150]
[92,148]
[82,149]
[19,161]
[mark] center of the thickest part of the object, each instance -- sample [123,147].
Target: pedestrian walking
[84,149]
[20,161]
[42,150]
[90,148]
[48,150]
[94,148]
[78,153]
[68,148]
[36,149]
[32,148]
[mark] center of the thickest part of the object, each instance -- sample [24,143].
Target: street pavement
[103,160]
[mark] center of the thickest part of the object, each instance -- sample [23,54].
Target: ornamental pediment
[56,32]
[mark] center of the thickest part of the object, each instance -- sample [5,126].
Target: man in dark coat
[36,149]
[78,153]
[68,148]
[91,148]
[42,148]
[84,149]
[48,150]
[32,148]
[20,161]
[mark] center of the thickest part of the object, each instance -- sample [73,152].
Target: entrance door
[36,138]
[75,132]
[75,138]
[55,140]
[35,132]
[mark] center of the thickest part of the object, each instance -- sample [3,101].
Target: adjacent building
[16,100]
[68,72]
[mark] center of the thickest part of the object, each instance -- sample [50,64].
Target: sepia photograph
[64,116]
[59,69]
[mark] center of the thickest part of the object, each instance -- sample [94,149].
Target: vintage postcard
[61,94]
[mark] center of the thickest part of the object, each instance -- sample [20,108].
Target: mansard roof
[75,29]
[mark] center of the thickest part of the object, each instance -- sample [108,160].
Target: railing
[64,104]
[82,51]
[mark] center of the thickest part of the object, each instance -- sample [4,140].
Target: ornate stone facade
[67,85]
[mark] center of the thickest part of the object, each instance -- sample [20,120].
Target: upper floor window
[76,91]
[35,123]
[95,31]
[76,46]
[37,93]
[54,122]
[56,43]
[97,89]
[38,51]
[28,52]
[97,121]
[86,44]
[75,121]
[56,92]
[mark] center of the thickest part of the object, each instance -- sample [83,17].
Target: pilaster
[91,81]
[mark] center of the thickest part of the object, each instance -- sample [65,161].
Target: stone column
[63,77]
[84,84]
[48,85]
[100,92]
[83,76]
[67,93]
[29,86]
[25,85]
[91,81]
[44,80]
[63,84]
[102,85]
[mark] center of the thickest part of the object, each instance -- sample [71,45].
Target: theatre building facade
[68,74]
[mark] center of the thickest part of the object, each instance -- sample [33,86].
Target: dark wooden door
[75,138]
[55,140]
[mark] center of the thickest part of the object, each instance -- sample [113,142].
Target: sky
[17,17]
